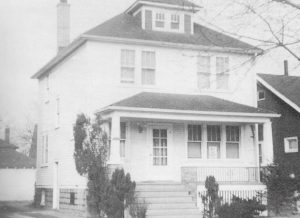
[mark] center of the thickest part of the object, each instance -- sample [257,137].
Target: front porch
[184,141]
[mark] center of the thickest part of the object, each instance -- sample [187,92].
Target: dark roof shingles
[289,86]
[127,26]
[10,158]
[185,102]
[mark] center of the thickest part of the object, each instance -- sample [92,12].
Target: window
[222,76]
[127,66]
[213,141]
[194,141]
[261,95]
[291,144]
[160,147]
[203,72]
[72,198]
[57,112]
[175,20]
[45,150]
[122,139]
[148,68]
[232,142]
[160,20]
[260,132]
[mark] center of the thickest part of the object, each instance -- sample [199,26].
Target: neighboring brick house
[178,100]
[17,173]
[281,94]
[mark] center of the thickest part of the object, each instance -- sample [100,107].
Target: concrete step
[172,187]
[170,206]
[166,200]
[149,194]
[192,211]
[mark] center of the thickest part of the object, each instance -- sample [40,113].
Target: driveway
[25,210]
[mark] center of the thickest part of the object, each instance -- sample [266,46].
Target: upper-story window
[127,65]
[148,68]
[175,20]
[222,72]
[160,20]
[203,72]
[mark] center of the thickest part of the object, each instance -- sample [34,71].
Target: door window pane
[160,147]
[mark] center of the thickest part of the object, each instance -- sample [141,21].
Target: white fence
[17,184]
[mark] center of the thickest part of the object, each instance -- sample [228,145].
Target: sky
[28,41]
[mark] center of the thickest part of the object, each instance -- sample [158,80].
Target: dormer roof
[173,4]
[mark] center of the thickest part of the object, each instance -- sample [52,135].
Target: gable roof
[188,103]
[182,4]
[287,88]
[10,158]
[127,28]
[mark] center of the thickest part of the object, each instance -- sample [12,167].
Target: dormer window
[160,20]
[175,19]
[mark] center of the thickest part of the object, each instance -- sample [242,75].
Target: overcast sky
[28,41]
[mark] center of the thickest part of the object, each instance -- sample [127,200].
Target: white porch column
[267,149]
[115,140]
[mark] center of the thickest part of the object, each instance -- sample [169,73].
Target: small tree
[90,158]
[211,200]
[281,188]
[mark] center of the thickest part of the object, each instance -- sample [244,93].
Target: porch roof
[186,103]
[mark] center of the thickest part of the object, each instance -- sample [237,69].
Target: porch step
[166,200]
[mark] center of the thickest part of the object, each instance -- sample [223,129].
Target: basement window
[261,95]
[72,198]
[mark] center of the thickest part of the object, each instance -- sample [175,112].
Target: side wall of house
[288,125]
[89,80]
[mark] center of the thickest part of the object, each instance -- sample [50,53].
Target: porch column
[268,143]
[115,140]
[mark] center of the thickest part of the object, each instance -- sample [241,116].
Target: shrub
[240,208]
[138,209]
[281,187]
[211,200]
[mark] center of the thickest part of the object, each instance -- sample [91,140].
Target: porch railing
[222,174]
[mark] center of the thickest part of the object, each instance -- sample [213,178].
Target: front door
[160,147]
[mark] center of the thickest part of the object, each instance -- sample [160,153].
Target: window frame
[287,148]
[224,72]
[148,68]
[258,95]
[233,142]
[195,141]
[127,66]
[207,73]
[216,141]
[175,20]
[160,18]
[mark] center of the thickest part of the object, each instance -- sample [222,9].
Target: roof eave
[171,44]
[59,57]
[278,94]
[218,113]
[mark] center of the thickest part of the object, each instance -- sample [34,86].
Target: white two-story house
[179,100]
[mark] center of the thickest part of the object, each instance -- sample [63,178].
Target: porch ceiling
[146,102]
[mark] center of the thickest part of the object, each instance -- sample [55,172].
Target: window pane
[293,144]
[155,142]
[148,77]
[155,132]
[222,64]
[163,133]
[127,65]
[213,150]
[194,149]
[123,130]
[194,133]
[260,132]
[222,81]
[122,148]
[148,59]
[232,150]
[174,26]
[203,64]
[232,133]
[203,80]
[213,133]
[127,74]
